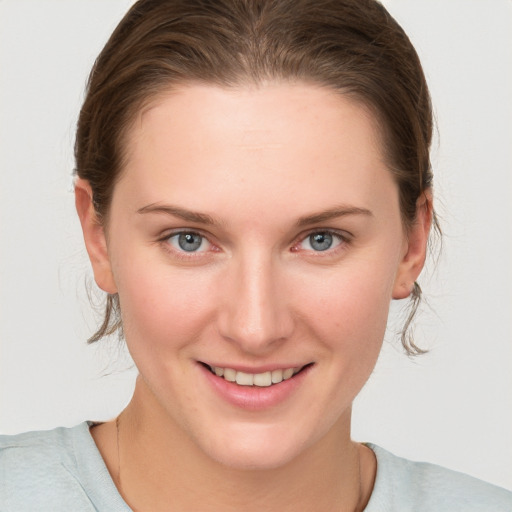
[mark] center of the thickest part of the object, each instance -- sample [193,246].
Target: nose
[255,308]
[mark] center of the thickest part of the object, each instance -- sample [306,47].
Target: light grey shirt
[62,470]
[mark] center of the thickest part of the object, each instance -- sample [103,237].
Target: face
[255,235]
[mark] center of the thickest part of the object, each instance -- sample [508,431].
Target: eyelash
[182,254]
[343,239]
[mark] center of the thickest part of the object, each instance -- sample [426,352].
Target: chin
[262,448]
[247,458]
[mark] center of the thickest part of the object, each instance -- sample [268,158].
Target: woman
[254,187]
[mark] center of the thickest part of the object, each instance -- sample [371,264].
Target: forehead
[263,141]
[255,112]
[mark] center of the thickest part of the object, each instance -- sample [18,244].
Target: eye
[321,241]
[189,241]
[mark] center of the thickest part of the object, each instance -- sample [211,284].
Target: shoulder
[47,443]
[49,470]
[28,457]
[402,485]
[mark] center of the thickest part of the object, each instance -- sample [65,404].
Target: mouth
[264,379]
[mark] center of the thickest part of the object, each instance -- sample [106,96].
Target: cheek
[348,312]
[351,302]
[162,307]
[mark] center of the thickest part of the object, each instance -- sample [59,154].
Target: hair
[351,46]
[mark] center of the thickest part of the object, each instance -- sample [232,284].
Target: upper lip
[256,369]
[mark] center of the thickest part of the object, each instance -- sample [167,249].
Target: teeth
[277,376]
[230,374]
[264,379]
[287,373]
[244,379]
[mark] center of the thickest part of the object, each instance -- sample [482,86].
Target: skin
[258,162]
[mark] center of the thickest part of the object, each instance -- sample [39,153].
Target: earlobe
[94,237]
[415,250]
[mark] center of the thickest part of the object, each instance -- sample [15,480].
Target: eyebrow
[333,213]
[182,213]
[203,218]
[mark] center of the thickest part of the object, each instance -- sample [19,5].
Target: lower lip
[254,398]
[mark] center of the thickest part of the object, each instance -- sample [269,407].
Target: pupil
[189,241]
[320,241]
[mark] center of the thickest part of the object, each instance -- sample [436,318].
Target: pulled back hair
[351,46]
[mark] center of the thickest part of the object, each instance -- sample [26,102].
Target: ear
[94,237]
[415,248]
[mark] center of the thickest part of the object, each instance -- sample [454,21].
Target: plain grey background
[452,406]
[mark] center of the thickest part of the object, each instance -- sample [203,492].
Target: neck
[158,466]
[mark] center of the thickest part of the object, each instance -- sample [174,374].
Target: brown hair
[352,46]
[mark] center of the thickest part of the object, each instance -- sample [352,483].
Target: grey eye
[321,241]
[189,242]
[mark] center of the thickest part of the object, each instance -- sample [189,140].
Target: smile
[263,379]
[257,390]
